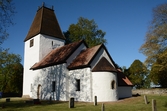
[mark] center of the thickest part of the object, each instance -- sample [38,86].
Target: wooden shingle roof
[122,79]
[45,22]
[84,58]
[103,65]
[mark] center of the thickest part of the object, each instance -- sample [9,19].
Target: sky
[124,21]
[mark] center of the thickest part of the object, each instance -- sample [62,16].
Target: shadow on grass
[26,103]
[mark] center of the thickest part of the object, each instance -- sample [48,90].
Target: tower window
[77,84]
[31,42]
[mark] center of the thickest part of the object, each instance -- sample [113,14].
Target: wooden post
[154,107]
[102,107]
[95,101]
[71,103]
[145,99]
[7,99]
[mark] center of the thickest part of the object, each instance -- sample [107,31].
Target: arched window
[113,84]
[38,91]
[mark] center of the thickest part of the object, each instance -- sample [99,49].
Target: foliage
[67,35]
[7,10]
[11,72]
[158,72]
[87,30]
[138,74]
[155,46]
[156,37]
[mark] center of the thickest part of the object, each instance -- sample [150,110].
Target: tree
[7,10]
[11,72]
[158,73]
[87,30]
[155,45]
[156,37]
[138,74]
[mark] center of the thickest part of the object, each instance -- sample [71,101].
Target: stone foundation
[26,96]
[159,91]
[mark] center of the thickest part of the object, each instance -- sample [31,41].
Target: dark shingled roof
[57,56]
[84,58]
[45,22]
[122,79]
[104,65]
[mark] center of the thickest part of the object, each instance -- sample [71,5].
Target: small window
[53,86]
[113,85]
[31,42]
[77,84]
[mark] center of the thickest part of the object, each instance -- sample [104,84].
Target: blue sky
[124,21]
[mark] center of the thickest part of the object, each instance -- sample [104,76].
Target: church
[58,71]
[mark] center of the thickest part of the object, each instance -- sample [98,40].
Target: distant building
[52,69]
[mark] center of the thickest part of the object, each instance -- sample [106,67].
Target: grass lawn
[129,104]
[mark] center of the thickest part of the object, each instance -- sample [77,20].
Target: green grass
[129,104]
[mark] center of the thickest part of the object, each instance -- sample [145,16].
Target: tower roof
[45,22]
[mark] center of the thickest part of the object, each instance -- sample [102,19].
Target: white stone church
[53,69]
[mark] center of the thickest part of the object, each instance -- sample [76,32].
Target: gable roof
[122,79]
[86,56]
[45,22]
[57,56]
[104,65]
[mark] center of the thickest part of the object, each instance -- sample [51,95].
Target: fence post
[7,99]
[145,99]
[102,107]
[95,101]
[71,103]
[154,107]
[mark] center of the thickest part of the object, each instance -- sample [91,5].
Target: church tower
[43,36]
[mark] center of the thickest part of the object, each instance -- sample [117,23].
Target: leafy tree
[155,45]
[7,10]
[156,37]
[67,35]
[87,30]
[11,72]
[158,73]
[138,74]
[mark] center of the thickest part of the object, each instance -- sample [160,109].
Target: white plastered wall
[102,86]
[41,47]
[31,56]
[57,73]
[101,81]
[85,93]
[124,91]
